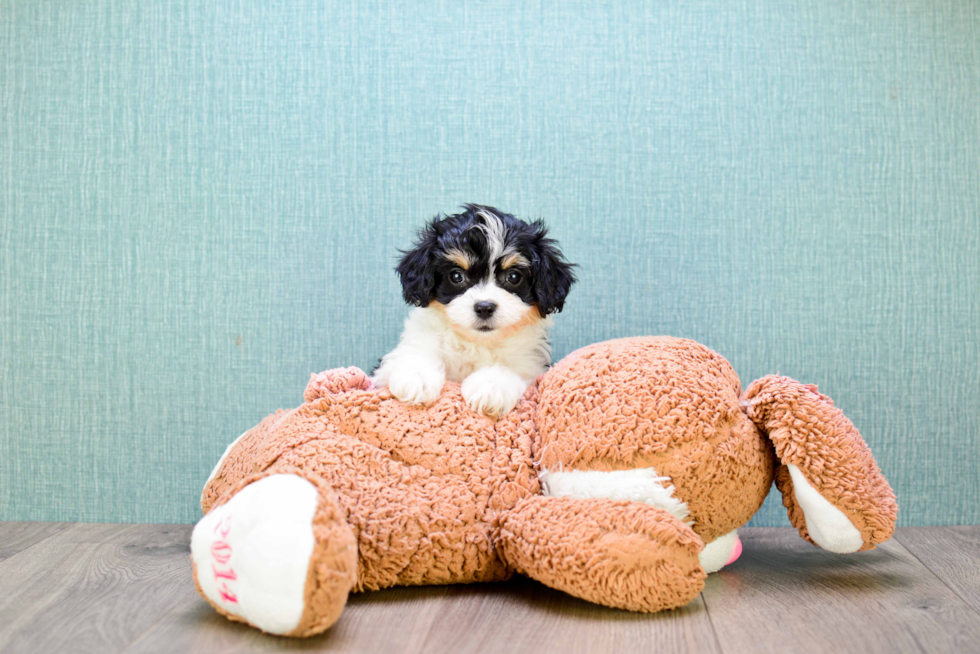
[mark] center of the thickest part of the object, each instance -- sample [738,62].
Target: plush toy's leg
[622,554]
[277,553]
[639,485]
[832,488]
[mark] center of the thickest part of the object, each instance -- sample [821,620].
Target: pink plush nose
[736,551]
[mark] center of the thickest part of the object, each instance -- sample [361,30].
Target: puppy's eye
[514,278]
[456,277]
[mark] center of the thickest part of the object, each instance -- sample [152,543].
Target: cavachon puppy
[484,285]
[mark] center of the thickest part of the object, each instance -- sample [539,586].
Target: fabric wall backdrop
[201,203]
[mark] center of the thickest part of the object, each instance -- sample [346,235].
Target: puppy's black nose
[484,309]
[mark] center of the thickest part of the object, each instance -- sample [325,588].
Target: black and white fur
[484,285]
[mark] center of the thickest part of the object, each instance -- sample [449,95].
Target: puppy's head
[489,272]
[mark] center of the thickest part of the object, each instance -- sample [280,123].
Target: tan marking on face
[459,257]
[513,259]
[531,316]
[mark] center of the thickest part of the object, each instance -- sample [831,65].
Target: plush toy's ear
[417,267]
[832,487]
[553,275]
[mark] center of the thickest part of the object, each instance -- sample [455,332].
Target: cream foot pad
[253,553]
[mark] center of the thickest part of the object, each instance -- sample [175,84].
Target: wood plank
[514,617]
[950,553]
[92,587]
[393,620]
[787,595]
[18,536]
[524,616]
[109,588]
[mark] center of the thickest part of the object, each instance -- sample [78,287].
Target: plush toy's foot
[827,526]
[613,552]
[277,554]
[720,552]
[832,488]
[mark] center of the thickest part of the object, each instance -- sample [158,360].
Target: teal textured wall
[200,204]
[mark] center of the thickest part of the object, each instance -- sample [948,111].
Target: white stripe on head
[493,229]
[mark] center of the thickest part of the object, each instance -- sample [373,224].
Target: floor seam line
[428,631]
[711,623]
[71,525]
[157,621]
[965,601]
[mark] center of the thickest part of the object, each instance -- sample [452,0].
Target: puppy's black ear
[417,269]
[553,276]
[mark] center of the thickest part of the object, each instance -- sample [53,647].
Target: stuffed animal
[621,478]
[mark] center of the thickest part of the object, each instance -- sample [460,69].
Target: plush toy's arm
[246,455]
[337,380]
[832,488]
[612,552]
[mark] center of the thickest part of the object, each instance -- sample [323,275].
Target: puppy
[484,285]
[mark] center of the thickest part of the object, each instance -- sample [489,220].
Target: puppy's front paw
[493,391]
[416,384]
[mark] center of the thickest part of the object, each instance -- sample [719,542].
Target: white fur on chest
[526,352]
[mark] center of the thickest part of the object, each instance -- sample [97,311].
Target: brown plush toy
[619,478]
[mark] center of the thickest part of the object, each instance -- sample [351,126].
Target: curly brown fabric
[440,494]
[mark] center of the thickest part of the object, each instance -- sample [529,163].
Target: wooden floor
[127,588]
